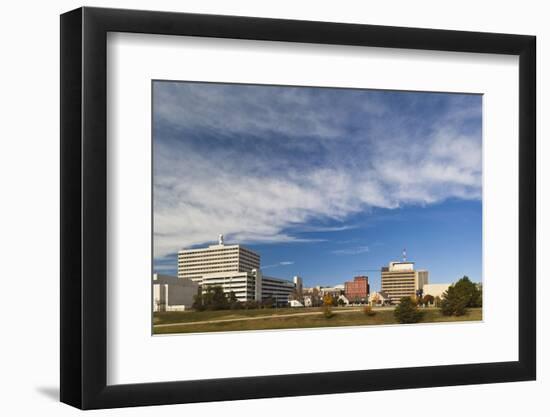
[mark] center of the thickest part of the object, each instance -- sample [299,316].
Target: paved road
[335,311]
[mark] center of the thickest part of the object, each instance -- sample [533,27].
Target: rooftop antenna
[404,255]
[220,239]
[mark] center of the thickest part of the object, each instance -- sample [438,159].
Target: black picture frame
[84,207]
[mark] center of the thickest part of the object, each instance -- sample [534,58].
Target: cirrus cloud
[266,164]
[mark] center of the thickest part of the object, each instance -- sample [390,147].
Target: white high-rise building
[234,268]
[216,259]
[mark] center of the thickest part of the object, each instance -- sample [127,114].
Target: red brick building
[358,289]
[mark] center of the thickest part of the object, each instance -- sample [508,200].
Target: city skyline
[323,183]
[444,258]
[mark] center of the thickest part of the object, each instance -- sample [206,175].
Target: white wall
[29,219]
[435,290]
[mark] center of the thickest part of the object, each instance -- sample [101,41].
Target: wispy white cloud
[300,165]
[351,251]
[260,111]
[324,229]
[282,263]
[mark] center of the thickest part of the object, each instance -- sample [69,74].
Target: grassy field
[264,319]
[191,316]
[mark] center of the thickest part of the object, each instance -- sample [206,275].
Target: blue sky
[324,183]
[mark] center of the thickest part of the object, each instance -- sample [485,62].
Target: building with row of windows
[219,259]
[236,269]
[400,279]
[357,291]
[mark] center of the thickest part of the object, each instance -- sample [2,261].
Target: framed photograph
[259,208]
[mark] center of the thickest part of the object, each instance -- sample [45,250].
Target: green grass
[191,316]
[271,321]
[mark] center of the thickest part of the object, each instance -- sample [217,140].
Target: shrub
[251,305]
[407,311]
[327,311]
[198,302]
[369,311]
[459,296]
[453,303]
[477,296]
[329,300]
[267,303]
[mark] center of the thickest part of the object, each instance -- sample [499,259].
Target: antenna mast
[404,255]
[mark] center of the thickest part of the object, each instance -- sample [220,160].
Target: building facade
[357,290]
[378,298]
[335,291]
[400,279]
[216,259]
[242,284]
[435,290]
[236,269]
[299,285]
[422,278]
[173,294]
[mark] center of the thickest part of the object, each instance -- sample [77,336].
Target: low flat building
[242,284]
[295,303]
[435,290]
[343,300]
[279,290]
[334,291]
[172,293]
[378,298]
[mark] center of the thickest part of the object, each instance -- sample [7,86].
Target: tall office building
[234,268]
[216,259]
[400,279]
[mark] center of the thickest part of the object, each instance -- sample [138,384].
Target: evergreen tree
[198,301]
[407,311]
[214,298]
[477,298]
[459,296]
[219,300]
